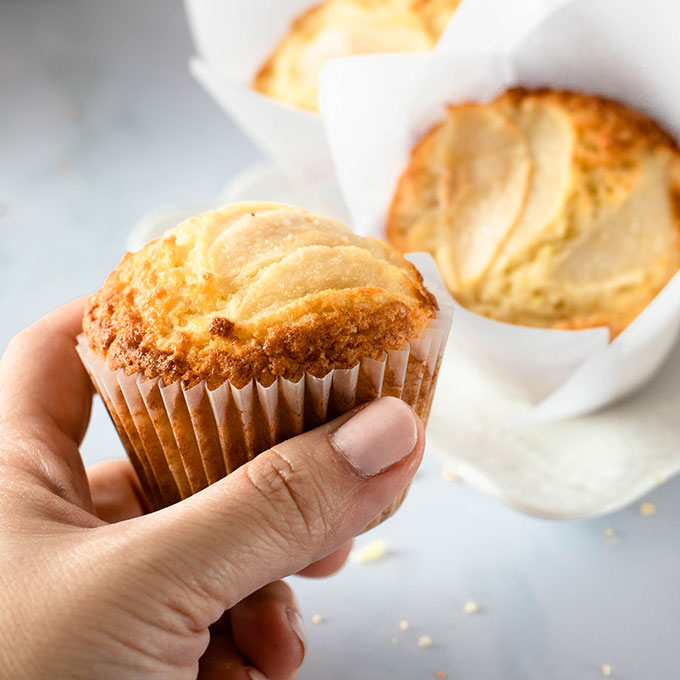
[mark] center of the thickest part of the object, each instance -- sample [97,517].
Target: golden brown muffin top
[255,290]
[339,28]
[545,208]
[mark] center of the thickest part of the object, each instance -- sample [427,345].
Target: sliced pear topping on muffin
[485,170]
[550,136]
[610,254]
[597,235]
[309,275]
[256,290]
[339,28]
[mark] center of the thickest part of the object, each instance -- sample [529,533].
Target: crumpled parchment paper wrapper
[233,39]
[377,107]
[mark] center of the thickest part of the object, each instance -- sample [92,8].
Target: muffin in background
[339,28]
[248,325]
[545,208]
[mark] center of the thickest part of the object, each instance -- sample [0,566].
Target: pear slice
[550,136]
[412,220]
[609,255]
[308,273]
[485,178]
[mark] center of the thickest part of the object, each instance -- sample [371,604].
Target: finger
[222,660]
[115,490]
[329,565]
[43,380]
[285,509]
[268,631]
[45,401]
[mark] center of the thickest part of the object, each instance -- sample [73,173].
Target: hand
[90,587]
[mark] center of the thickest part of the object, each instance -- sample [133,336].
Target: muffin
[248,325]
[545,208]
[339,28]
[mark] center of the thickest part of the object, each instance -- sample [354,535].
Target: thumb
[290,506]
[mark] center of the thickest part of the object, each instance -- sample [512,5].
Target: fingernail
[297,626]
[254,674]
[378,436]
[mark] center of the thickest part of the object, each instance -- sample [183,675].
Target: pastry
[245,326]
[545,208]
[339,28]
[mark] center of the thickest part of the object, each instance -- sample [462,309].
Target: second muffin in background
[340,28]
[247,325]
[545,208]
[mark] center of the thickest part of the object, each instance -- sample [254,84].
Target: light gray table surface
[100,123]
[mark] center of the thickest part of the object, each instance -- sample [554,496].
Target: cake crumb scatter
[449,475]
[372,552]
[403,624]
[440,675]
[470,607]
[424,641]
[609,532]
[647,509]
[606,670]
[317,619]
[393,641]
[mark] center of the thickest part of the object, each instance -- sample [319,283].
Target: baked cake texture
[248,325]
[255,291]
[545,208]
[339,28]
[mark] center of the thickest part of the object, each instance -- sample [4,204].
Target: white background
[100,123]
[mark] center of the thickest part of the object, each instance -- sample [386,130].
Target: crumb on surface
[470,607]
[647,509]
[606,670]
[424,641]
[450,475]
[440,675]
[609,532]
[393,641]
[317,619]
[403,624]
[372,552]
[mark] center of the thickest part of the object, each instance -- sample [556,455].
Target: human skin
[91,587]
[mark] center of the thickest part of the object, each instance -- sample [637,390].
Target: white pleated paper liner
[181,440]
[377,107]
[233,39]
